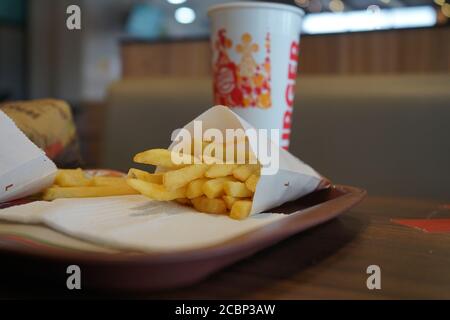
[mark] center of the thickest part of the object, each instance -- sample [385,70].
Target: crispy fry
[53,193]
[243,172]
[194,188]
[214,187]
[241,209]
[229,201]
[237,189]
[146,176]
[204,204]
[220,170]
[231,152]
[72,178]
[164,158]
[156,191]
[179,178]
[184,201]
[108,181]
[252,182]
[209,186]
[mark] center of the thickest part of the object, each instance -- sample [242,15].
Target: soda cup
[255,48]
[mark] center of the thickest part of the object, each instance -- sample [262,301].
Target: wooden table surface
[326,262]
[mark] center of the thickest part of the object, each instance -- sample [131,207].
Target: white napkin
[24,168]
[135,222]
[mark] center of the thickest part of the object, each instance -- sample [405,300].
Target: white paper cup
[255,49]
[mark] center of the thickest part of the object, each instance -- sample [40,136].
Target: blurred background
[372,98]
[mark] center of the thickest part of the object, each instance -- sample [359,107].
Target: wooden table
[327,262]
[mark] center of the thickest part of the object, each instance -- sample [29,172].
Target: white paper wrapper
[294,178]
[24,168]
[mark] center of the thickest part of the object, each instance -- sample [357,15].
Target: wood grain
[394,51]
[326,262]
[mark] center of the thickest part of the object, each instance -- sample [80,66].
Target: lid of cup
[248,4]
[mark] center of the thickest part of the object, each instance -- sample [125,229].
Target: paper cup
[255,49]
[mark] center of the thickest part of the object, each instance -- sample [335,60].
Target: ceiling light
[336,6]
[176,1]
[184,15]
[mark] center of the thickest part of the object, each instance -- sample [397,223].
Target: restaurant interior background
[372,102]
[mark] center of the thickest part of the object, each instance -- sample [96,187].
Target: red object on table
[427,225]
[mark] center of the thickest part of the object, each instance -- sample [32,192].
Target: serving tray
[50,252]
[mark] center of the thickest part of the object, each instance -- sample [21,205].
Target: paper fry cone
[293,178]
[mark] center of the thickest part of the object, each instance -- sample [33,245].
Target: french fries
[204,204]
[251,182]
[179,178]
[156,191]
[237,189]
[241,209]
[56,192]
[74,183]
[146,176]
[220,170]
[108,181]
[195,188]
[207,186]
[164,158]
[229,201]
[214,188]
[243,172]
[71,178]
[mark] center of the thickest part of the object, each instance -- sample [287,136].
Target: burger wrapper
[294,178]
[49,124]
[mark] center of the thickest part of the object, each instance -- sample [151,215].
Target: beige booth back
[388,134]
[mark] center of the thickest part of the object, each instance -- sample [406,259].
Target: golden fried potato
[72,178]
[184,201]
[194,188]
[204,204]
[164,158]
[53,193]
[156,191]
[237,189]
[146,176]
[229,201]
[214,188]
[252,182]
[108,181]
[220,170]
[237,152]
[181,177]
[241,209]
[243,172]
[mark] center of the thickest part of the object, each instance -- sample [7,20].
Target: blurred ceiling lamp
[439,2]
[386,1]
[184,15]
[336,6]
[176,1]
[350,21]
[446,10]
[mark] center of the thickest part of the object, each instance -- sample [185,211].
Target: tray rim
[254,240]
